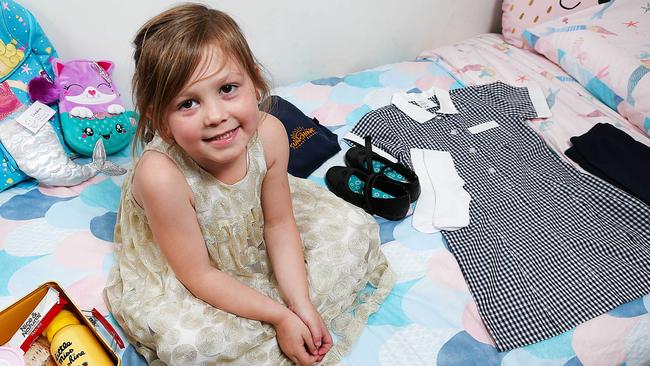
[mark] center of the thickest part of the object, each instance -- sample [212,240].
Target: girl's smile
[224,138]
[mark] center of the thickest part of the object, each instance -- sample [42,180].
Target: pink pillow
[521,14]
[606,49]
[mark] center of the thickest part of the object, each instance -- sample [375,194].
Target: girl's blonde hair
[168,49]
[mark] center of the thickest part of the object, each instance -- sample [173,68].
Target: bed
[66,234]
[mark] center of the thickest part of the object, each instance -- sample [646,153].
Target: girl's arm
[283,242]
[162,190]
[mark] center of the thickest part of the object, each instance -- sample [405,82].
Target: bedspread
[430,318]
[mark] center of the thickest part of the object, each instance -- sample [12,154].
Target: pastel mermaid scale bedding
[65,234]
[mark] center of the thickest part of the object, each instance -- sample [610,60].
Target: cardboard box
[12,317]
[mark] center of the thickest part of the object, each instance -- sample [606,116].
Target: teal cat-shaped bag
[90,107]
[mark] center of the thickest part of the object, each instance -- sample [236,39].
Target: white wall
[294,39]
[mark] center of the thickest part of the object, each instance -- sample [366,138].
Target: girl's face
[216,113]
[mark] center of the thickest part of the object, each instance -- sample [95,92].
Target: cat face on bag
[101,94]
[215,115]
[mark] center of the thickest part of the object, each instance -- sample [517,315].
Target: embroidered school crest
[299,135]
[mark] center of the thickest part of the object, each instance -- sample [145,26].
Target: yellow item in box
[12,317]
[72,344]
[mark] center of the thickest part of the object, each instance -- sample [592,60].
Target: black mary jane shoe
[375,193]
[362,157]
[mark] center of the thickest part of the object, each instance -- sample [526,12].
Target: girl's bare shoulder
[156,176]
[274,138]
[270,127]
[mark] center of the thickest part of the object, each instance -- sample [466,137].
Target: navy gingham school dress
[548,247]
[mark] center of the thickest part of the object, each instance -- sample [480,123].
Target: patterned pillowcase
[521,14]
[606,49]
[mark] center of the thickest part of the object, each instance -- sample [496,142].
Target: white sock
[443,203]
[452,205]
[422,219]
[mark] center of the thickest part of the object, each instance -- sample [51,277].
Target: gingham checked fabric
[547,247]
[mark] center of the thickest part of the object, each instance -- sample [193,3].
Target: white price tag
[35,116]
[425,103]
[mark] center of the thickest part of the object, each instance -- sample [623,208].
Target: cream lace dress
[168,325]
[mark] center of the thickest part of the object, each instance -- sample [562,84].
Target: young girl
[224,258]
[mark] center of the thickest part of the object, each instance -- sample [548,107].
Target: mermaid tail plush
[42,157]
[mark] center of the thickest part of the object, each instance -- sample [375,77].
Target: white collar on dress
[401,101]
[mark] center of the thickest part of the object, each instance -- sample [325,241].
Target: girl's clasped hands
[302,334]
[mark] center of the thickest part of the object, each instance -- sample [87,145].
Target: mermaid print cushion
[606,49]
[521,14]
